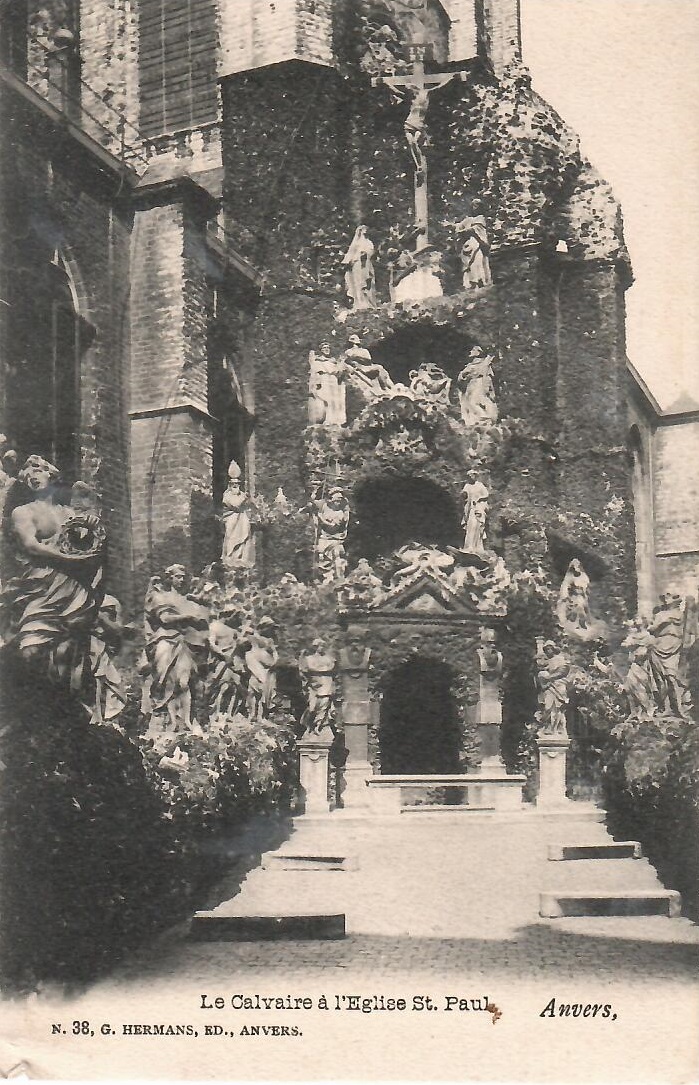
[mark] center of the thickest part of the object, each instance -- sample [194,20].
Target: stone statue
[431,384]
[238,546]
[332,516]
[474,249]
[261,660]
[475,514]
[489,658]
[368,376]
[106,639]
[654,683]
[573,608]
[360,280]
[52,605]
[667,640]
[362,587]
[476,389]
[639,682]
[228,681]
[326,389]
[356,655]
[554,673]
[417,560]
[317,671]
[176,646]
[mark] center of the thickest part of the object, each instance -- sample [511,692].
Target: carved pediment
[428,596]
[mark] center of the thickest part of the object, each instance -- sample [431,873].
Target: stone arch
[419,727]
[389,511]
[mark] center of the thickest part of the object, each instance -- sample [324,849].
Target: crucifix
[415,87]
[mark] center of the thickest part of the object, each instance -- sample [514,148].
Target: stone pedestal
[488,711]
[313,771]
[553,750]
[356,714]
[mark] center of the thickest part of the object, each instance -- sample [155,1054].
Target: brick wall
[74,207]
[171,450]
[676,492]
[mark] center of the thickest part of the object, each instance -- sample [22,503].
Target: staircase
[485,875]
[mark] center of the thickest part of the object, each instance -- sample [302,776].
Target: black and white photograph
[349,563]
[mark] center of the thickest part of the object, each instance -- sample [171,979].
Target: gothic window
[643,517]
[233,422]
[47,340]
[177,64]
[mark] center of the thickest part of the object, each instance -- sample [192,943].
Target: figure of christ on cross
[415,88]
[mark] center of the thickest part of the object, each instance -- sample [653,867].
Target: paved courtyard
[443,906]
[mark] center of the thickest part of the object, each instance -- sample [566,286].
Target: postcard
[350,540]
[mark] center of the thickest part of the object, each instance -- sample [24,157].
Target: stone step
[623,849]
[210,927]
[553,905]
[282,860]
[440,808]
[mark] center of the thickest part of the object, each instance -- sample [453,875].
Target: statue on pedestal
[238,546]
[489,658]
[360,279]
[176,646]
[317,670]
[553,674]
[476,389]
[51,606]
[474,249]
[326,389]
[332,516]
[475,514]
[573,608]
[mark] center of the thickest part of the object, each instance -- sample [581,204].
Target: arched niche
[419,729]
[411,347]
[390,511]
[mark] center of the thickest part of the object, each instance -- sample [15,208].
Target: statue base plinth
[314,751]
[355,793]
[553,751]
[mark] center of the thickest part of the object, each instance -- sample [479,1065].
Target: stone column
[488,716]
[314,751]
[356,716]
[553,750]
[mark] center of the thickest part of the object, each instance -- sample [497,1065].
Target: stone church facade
[200,195]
